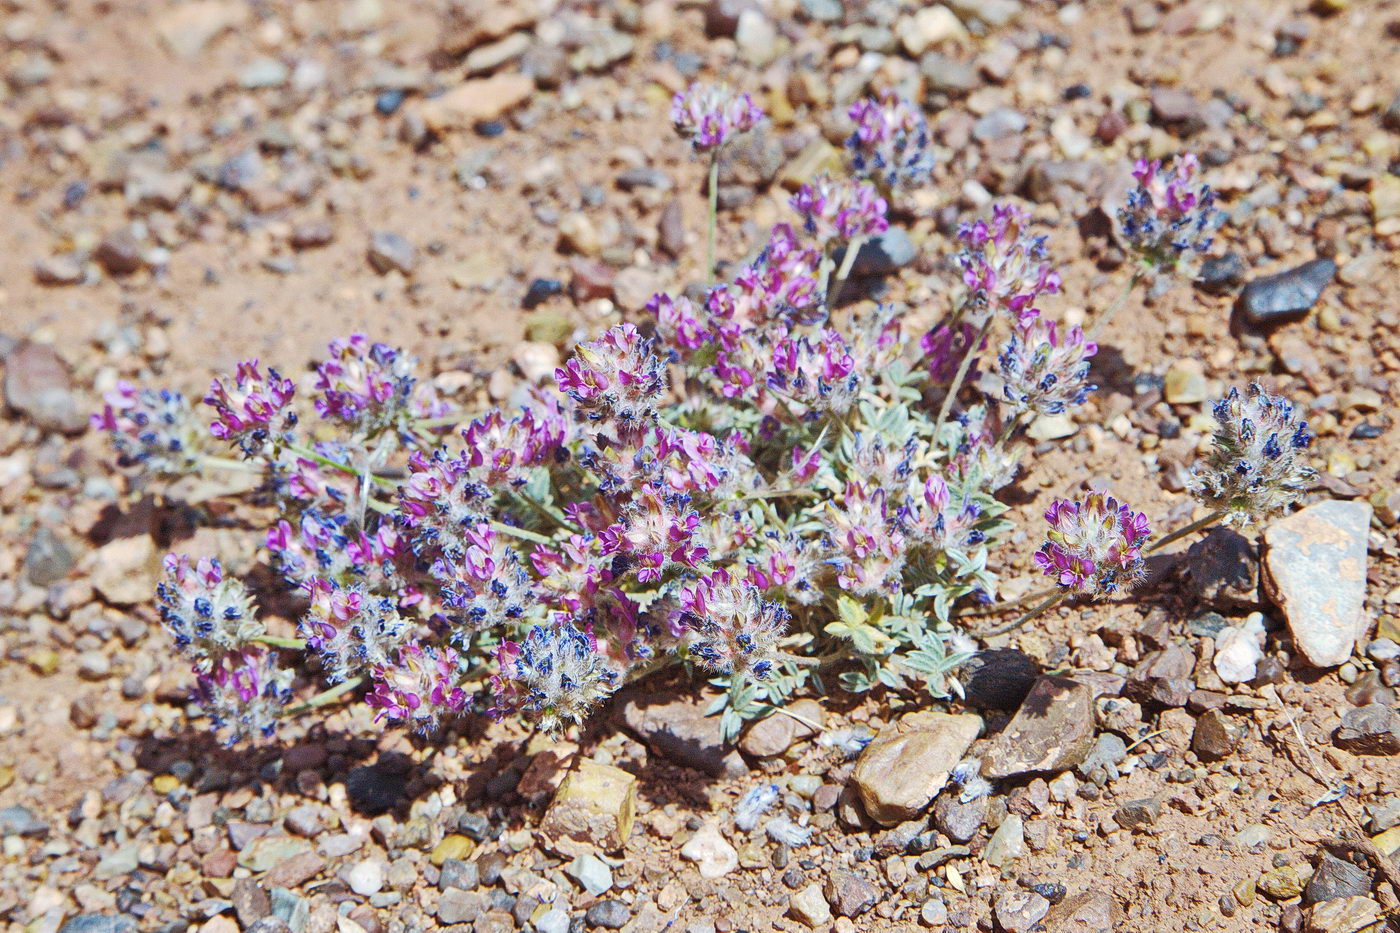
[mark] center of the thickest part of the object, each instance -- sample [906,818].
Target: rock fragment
[908,762]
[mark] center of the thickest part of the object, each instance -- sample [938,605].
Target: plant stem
[1117,305]
[1185,530]
[447,421]
[1049,604]
[1001,607]
[337,465]
[325,697]
[847,262]
[274,641]
[963,367]
[521,533]
[1008,429]
[713,219]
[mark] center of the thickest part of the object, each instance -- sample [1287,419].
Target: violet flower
[731,628]
[209,615]
[869,549]
[483,581]
[1094,545]
[890,145]
[1257,467]
[157,429]
[246,692]
[420,689]
[251,412]
[554,676]
[1004,266]
[1041,371]
[371,388]
[616,376]
[710,115]
[1169,214]
[352,630]
[839,211]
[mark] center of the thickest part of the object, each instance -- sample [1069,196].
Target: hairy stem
[712,220]
[274,641]
[963,367]
[1185,530]
[847,262]
[1118,303]
[1040,609]
[521,533]
[325,697]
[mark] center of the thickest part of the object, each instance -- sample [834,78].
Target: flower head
[1169,214]
[209,615]
[1257,467]
[157,429]
[554,676]
[246,692]
[710,115]
[482,579]
[1094,545]
[352,630]
[841,210]
[890,145]
[371,388]
[252,412]
[1004,266]
[616,376]
[732,628]
[1042,371]
[419,689]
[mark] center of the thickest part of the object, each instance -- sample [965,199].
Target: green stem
[337,465]
[325,697]
[1118,303]
[521,533]
[712,220]
[847,262]
[963,367]
[1182,532]
[274,641]
[1044,607]
[447,421]
[1001,607]
[1008,429]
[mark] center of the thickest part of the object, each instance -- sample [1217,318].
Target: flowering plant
[750,485]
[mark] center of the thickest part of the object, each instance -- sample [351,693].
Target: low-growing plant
[757,483]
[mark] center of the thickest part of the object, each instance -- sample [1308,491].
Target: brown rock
[1369,730]
[849,894]
[1345,915]
[1089,912]
[679,729]
[594,807]
[119,253]
[474,101]
[1216,735]
[295,871]
[907,763]
[471,24]
[775,734]
[1052,731]
[39,387]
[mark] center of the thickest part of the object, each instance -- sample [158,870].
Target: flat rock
[593,808]
[998,678]
[1315,572]
[775,734]
[908,762]
[1052,731]
[124,570]
[849,893]
[677,728]
[1336,878]
[1288,295]
[1088,912]
[1344,915]
[883,254]
[1216,735]
[476,101]
[1019,911]
[1373,729]
[38,386]
[389,252]
[809,906]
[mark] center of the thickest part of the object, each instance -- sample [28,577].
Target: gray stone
[39,387]
[591,873]
[1288,295]
[998,124]
[116,864]
[1216,735]
[1052,731]
[998,678]
[825,11]
[263,72]
[457,873]
[1008,843]
[1178,109]
[1163,677]
[292,909]
[884,254]
[908,763]
[389,252]
[458,906]
[949,75]
[1222,274]
[1019,911]
[677,728]
[1336,878]
[48,558]
[1315,572]
[957,820]
[20,821]
[98,923]
[1093,911]
[1369,730]
[1101,764]
[608,914]
[751,160]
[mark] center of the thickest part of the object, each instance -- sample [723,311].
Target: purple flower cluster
[371,388]
[839,211]
[1094,545]
[1169,213]
[890,145]
[730,627]
[245,691]
[869,548]
[156,429]
[1041,371]
[1257,466]
[420,689]
[352,630]
[1004,267]
[936,517]
[710,115]
[554,676]
[250,411]
[616,376]
[327,544]
[207,614]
